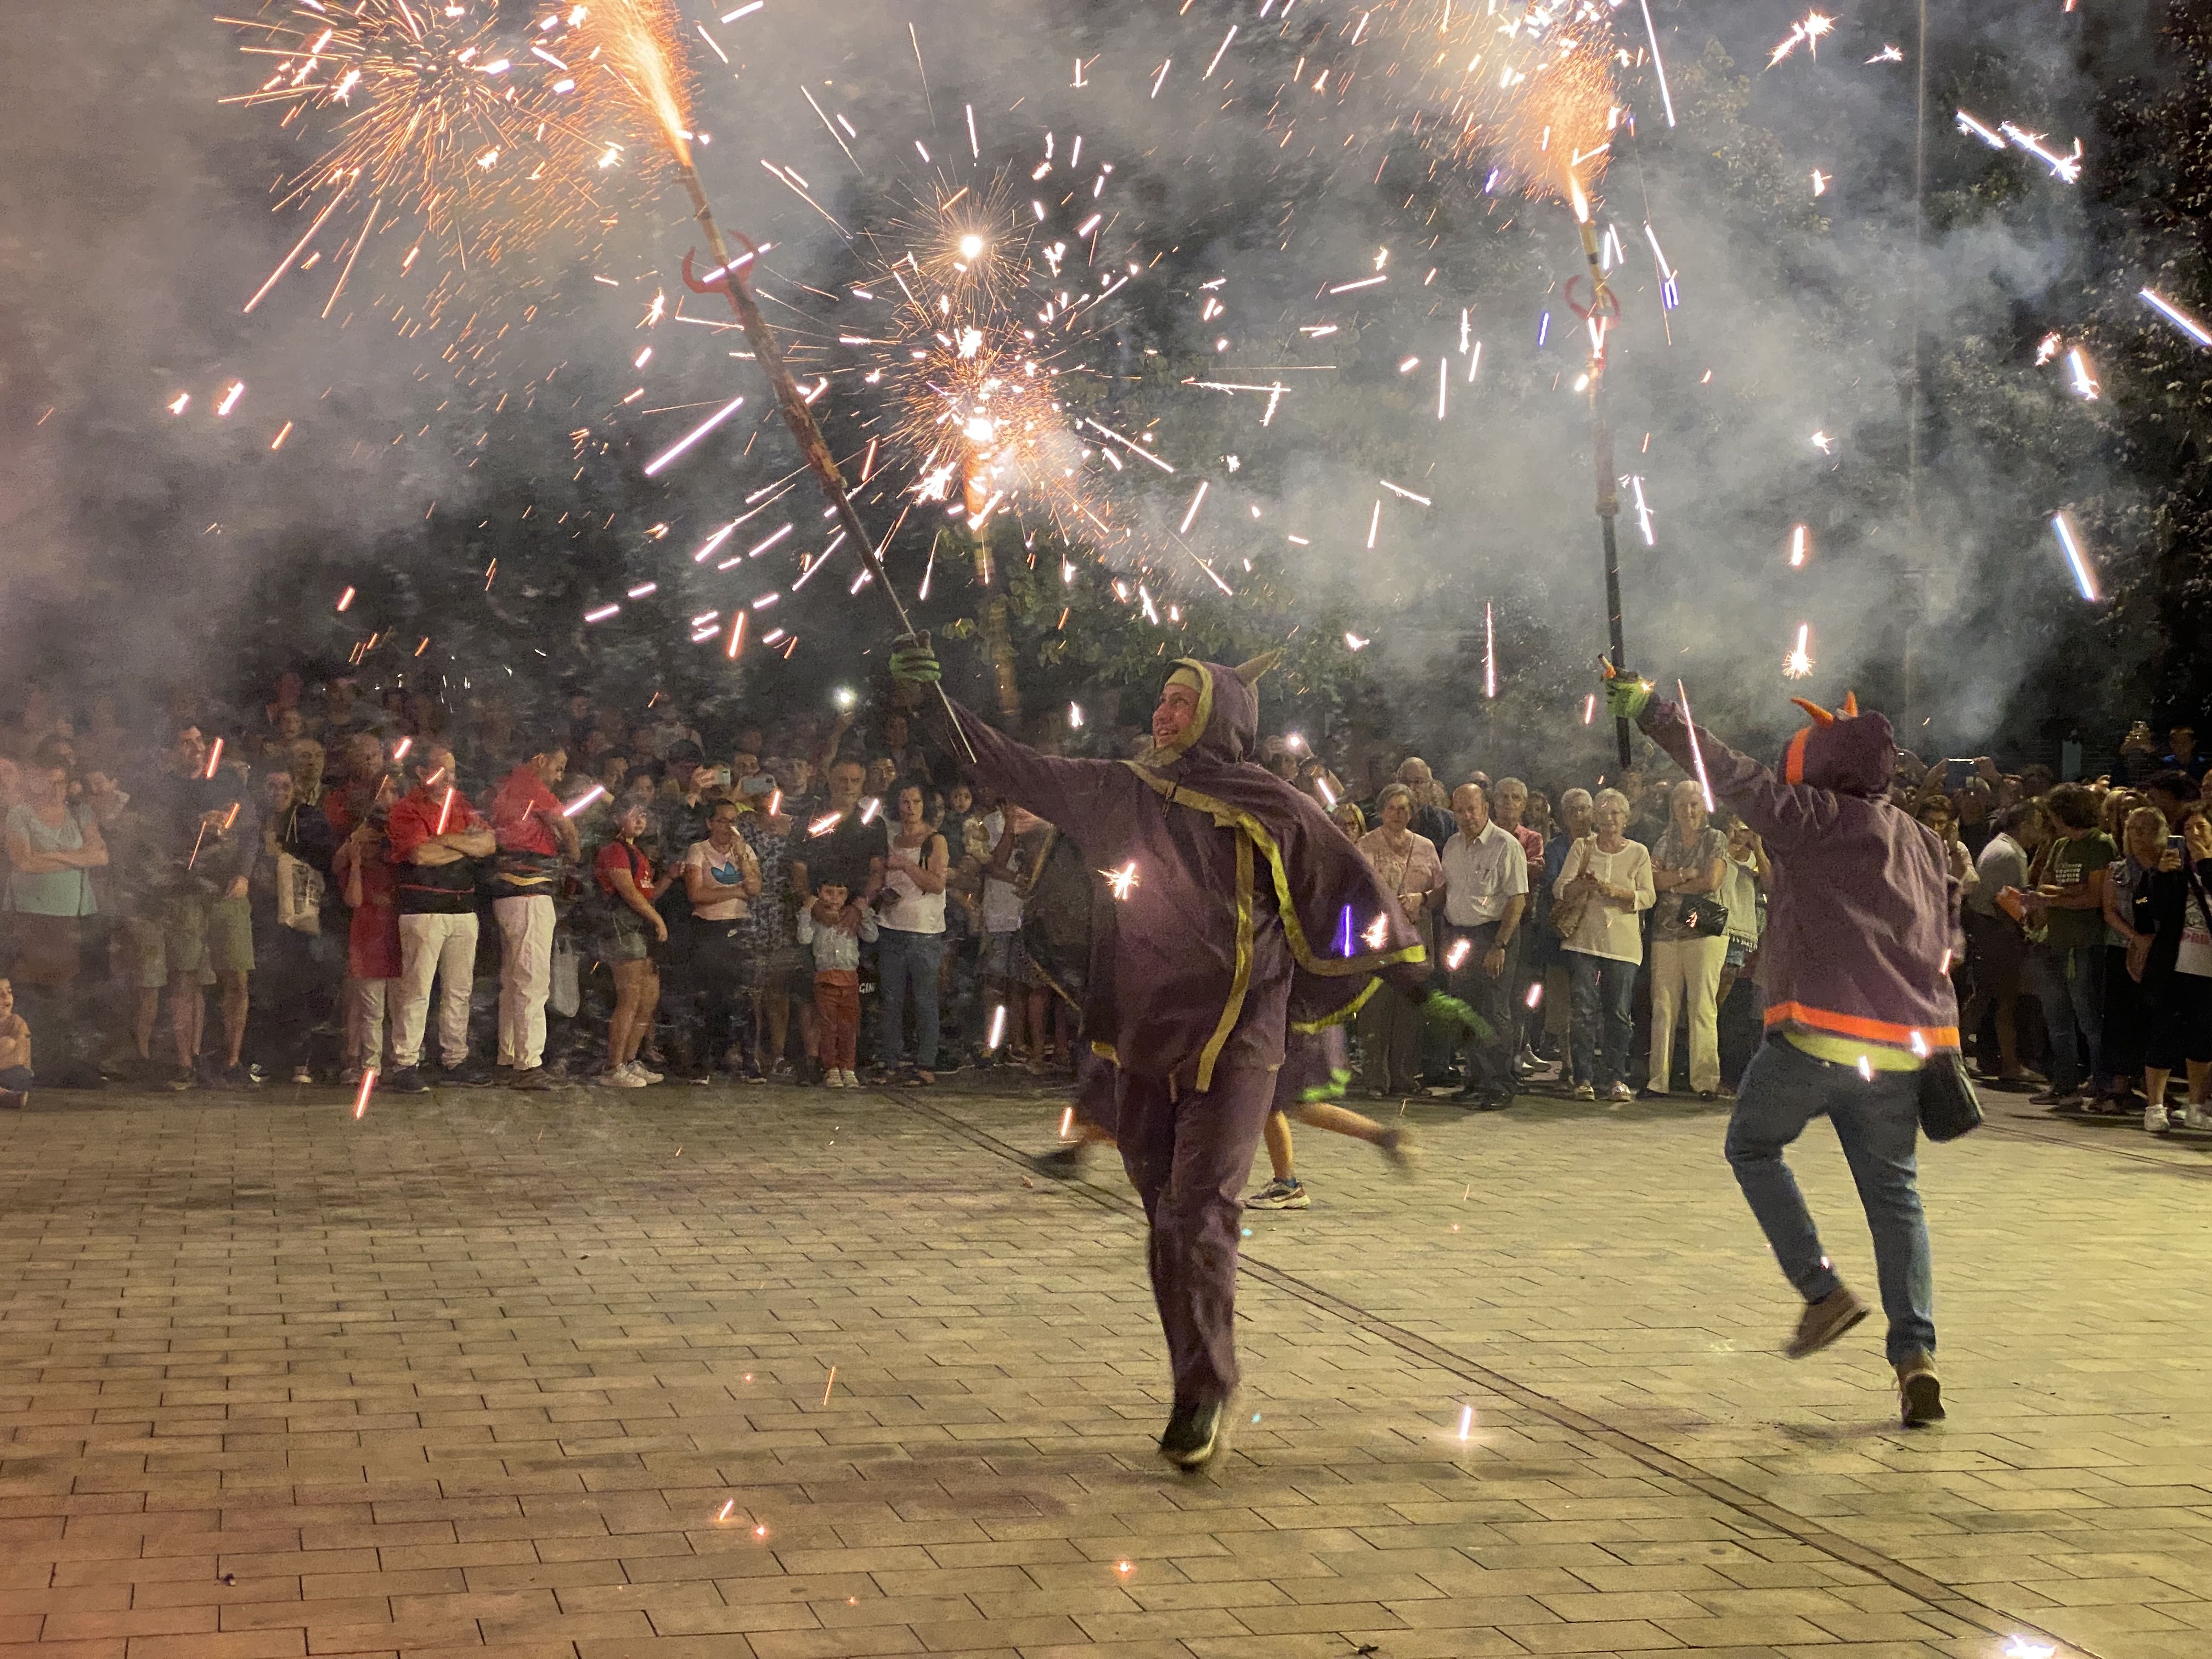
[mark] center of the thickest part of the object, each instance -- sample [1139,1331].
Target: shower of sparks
[1824,443]
[976,308]
[1589,710]
[997,1034]
[2077,560]
[1466,1421]
[1121,880]
[1455,959]
[368,1088]
[1697,753]
[425,107]
[230,396]
[1489,652]
[1888,54]
[1800,546]
[1797,663]
[2174,314]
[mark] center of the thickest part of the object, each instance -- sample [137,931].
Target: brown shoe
[1919,1391]
[1825,1321]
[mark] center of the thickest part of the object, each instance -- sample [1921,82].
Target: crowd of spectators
[604,894]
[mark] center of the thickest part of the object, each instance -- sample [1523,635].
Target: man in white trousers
[435,838]
[537,840]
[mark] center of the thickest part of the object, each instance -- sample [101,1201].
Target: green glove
[1625,695]
[913,663]
[1439,1011]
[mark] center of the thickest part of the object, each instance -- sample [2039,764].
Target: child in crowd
[835,927]
[372,940]
[15,1077]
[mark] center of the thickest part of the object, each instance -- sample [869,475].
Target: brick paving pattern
[488,1375]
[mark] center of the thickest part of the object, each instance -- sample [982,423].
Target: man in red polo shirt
[536,841]
[435,839]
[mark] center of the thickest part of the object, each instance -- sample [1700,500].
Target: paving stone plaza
[712,1375]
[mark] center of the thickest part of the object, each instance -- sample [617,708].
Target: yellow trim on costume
[1250,828]
[1105,1051]
[1241,980]
[1306,1028]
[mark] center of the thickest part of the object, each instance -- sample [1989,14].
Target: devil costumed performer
[1861,1018]
[1234,911]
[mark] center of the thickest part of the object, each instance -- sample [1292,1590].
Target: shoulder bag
[1567,913]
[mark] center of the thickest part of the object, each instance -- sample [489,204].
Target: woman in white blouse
[1609,877]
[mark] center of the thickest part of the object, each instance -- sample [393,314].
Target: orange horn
[1814,709]
[1850,705]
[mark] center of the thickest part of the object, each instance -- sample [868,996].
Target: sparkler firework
[473,128]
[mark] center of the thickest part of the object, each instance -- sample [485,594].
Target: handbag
[1949,1105]
[1704,914]
[567,993]
[1567,913]
[299,895]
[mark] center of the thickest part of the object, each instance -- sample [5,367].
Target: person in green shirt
[2070,966]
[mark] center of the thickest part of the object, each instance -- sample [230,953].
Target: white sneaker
[1585,1092]
[833,1079]
[2194,1117]
[852,1078]
[620,1077]
[644,1072]
[2156,1120]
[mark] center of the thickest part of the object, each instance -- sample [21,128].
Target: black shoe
[1064,1164]
[531,1077]
[407,1080]
[183,1079]
[1194,1434]
[13,1100]
[1496,1101]
[464,1076]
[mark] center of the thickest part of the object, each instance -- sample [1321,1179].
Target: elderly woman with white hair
[1689,942]
[1605,883]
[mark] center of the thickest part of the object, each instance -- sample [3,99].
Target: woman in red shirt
[634,929]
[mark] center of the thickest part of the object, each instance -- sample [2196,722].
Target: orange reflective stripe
[1868,1031]
[1793,757]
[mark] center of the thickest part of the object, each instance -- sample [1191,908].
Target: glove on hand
[913,663]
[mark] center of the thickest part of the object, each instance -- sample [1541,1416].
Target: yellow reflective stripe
[1241,980]
[1306,1028]
[1229,818]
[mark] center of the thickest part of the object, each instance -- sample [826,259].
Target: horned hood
[1227,727]
[1849,752]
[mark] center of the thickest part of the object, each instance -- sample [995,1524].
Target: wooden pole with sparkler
[730,277]
[1608,489]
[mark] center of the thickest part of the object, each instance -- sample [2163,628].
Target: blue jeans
[905,960]
[1604,1020]
[2070,986]
[1878,1122]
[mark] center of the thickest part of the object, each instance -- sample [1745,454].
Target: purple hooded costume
[1863,915]
[1234,929]
[1247,916]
